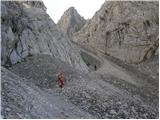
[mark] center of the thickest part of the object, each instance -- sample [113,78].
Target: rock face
[71,22]
[125,30]
[27,30]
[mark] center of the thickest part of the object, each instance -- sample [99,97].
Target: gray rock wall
[71,22]
[27,30]
[127,30]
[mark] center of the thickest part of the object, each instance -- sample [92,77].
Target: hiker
[61,79]
[95,67]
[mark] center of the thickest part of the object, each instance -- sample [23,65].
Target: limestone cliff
[27,29]
[127,30]
[71,22]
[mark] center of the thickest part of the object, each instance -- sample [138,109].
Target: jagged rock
[113,112]
[125,30]
[27,30]
[8,109]
[71,22]
[30,89]
[157,51]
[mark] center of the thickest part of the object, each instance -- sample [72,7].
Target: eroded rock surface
[126,30]
[71,22]
[27,30]
[114,89]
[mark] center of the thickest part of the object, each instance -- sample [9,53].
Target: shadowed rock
[27,30]
[71,22]
[123,29]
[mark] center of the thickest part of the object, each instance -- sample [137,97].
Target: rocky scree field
[32,58]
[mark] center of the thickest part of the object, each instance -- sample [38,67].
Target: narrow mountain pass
[105,67]
[127,77]
[109,65]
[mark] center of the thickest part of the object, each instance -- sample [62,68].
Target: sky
[86,8]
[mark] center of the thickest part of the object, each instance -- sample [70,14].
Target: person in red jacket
[61,79]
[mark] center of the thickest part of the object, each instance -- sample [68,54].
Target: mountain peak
[71,21]
[71,9]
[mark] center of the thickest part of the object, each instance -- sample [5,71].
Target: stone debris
[99,80]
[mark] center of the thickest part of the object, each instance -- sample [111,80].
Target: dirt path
[109,67]
[128,77]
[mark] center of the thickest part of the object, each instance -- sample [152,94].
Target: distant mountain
[127,30]
[71,22]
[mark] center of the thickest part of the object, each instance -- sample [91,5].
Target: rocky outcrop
[71,22]
[125,30]
[27,30]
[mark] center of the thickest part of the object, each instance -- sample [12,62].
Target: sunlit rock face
[27,30]
[71,22]
[123,29]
